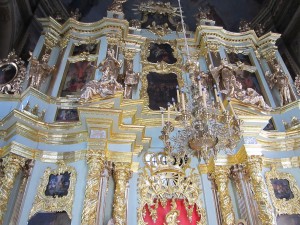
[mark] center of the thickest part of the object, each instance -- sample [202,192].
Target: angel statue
[39,70]
[108,83]
[117,6]
[131,81]
[281,80]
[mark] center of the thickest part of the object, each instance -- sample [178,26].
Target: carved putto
[12,74]
[108,83]
[39,70]
[131,81]
[117,6]
[281,81]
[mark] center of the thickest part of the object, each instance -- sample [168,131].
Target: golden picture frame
[284,192]
[47,200]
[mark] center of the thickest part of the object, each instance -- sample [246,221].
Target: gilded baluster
[95,161]
[121,175]
[221,176]
[13,165]
[254,168]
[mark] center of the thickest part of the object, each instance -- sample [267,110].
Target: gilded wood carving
[56,190]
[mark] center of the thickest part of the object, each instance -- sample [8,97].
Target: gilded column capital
[12,166]
[221,176]
[260,191]
[122,174]
[95,161]
[94,157]
[130,53]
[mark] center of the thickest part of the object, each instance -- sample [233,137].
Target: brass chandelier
[208,127]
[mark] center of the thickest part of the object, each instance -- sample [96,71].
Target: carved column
[221,176]
[20,198]
[246,206]
[121,175]
[95,161]
[13,165]
[254,168]
[216,198]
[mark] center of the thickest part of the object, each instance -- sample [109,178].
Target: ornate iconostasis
[146,122]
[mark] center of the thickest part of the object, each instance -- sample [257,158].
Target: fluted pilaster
[221,176]
[95,160]
[254,168]
[13,165]
[122,174]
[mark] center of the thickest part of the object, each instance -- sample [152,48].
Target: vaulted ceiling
[228,13]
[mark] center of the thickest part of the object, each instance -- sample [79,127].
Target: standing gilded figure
[281,80]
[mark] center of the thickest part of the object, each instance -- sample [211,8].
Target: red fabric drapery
[162,212]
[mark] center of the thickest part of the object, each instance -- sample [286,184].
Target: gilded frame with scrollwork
[284,206]
[44,203]
[151,186]
[162,67]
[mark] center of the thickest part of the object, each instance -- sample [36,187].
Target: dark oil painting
[282,189]
[270,125]
[161,52]
[249,80]
[77,76]
[58,185]
[234,58]
[56,218]
[161,89]
[216,58]
[7,72]
[90,48]
[293,219]
[67,115]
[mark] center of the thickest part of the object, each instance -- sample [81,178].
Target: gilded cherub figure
[39,70]
[281,80]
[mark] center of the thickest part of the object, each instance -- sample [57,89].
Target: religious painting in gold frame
[284,192]
[79,70]
[61,198]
